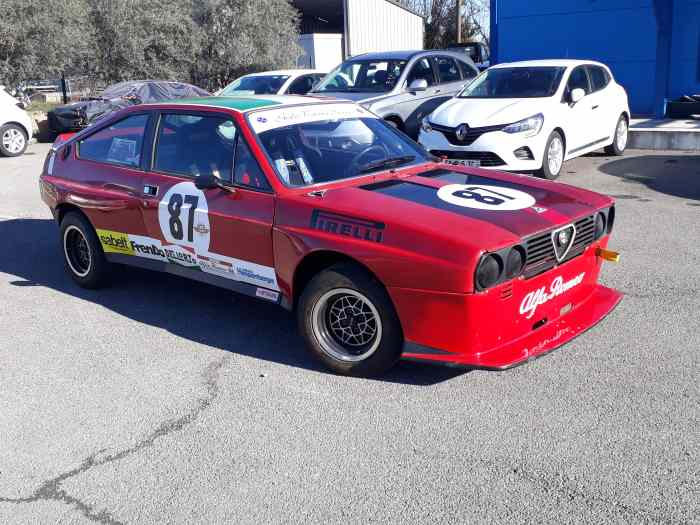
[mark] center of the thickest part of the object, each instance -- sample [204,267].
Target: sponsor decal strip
[213,263]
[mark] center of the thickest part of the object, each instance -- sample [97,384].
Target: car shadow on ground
[200,313]
[676,175]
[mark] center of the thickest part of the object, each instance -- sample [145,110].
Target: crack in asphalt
[571,493]
[50,490]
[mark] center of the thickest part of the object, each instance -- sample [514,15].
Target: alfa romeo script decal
[542,296]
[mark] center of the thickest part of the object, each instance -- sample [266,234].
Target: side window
[599,77]
[421,70]
[468,72]
[447,69]
[301,86]
[119,143]
[247,171]
[578,79]
[195,145]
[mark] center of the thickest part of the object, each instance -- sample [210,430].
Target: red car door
[107,178]
[223,234]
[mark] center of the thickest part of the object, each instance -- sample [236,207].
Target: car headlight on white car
[531,126]
[425,125]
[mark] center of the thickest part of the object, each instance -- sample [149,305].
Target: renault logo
[462,132]
[562,240]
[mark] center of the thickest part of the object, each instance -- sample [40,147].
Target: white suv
[531,116]
[15,125]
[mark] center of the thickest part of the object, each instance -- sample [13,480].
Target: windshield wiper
[386,163]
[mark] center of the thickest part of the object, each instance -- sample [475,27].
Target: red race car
[319,206]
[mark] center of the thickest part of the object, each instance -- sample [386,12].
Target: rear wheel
[13,140]
[349,322]
[82,252]
[553,159]
[619,143]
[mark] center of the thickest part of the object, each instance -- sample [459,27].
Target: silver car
[400,86]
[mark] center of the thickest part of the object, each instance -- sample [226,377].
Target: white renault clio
[531,116]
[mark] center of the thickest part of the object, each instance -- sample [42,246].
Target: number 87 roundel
[183,216]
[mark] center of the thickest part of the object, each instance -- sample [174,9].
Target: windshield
[363,76]
[255,85]
[515,82]
[313,148]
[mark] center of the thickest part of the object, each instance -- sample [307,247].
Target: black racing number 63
[174,209]
[482,195]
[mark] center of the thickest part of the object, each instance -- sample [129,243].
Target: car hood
[74,108]
[428,203]
[485,111]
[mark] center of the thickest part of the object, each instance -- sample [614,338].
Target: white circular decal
[485,197]
[183,215]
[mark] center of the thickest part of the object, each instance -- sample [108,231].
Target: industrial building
[333,30]
[652,46]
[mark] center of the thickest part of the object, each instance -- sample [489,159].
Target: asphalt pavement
[161,400]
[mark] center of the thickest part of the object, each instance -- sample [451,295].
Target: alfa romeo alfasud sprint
[321,207]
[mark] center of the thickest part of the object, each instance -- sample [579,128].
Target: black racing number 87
[174,209]
[482,195]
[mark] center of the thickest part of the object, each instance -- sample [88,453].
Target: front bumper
[495,149]
[493,329]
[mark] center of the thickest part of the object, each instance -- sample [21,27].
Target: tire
[13,140]
[395,123]
[374,336]
[549,169]
[620,138]
[82,253]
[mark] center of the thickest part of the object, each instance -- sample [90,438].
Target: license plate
[465,162]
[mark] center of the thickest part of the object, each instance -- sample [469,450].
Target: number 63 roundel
[183,216]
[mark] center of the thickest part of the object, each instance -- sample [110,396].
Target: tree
[240,36]
[40,40]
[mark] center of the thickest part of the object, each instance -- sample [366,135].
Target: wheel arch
[394,117]
[27,132]
[315,262]
[65,208]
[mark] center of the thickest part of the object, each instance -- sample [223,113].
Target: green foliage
[206,42]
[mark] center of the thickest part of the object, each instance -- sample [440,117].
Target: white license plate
[465,162]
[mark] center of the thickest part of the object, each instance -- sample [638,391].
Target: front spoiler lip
[531,346]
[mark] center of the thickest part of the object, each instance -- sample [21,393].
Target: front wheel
[13,140]
[619,143]
[349,322]
[553,157]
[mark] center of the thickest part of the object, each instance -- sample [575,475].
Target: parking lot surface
[164,400]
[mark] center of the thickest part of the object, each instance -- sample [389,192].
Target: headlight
[489,271]
[611,218]
[425,125]
[515,262]
[599,225]
[531,125]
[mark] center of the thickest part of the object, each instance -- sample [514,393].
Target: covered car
[78,115]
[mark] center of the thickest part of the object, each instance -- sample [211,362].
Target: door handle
[595,107]
[150,190]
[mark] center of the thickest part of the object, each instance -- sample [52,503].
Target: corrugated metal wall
[378,25]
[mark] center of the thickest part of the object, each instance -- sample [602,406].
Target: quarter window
[447,69]
[247,171]
[302,85]
[421,70]
[120,143]
[599,77]
[195,145]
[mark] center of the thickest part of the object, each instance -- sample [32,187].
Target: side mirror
[419,84]
[577,94]
[206,182]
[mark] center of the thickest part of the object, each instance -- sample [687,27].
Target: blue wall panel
[685,46]
[619,33]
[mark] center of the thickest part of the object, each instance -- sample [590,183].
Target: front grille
[487,158]
[540,250]
[471,136]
